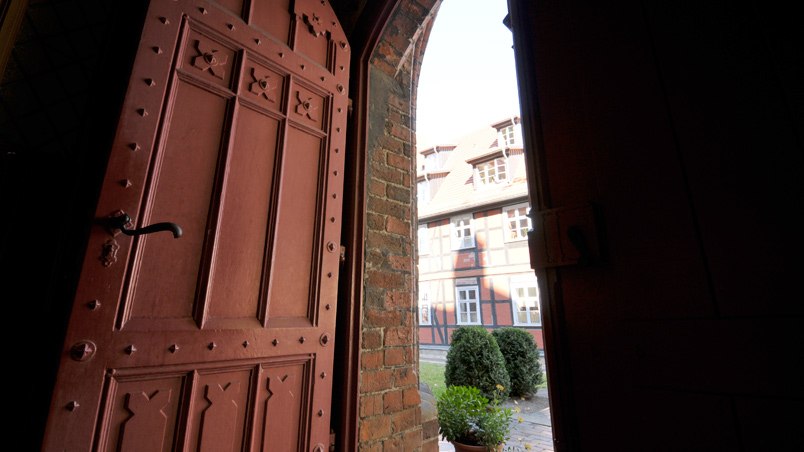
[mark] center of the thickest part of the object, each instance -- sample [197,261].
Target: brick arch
[389,416]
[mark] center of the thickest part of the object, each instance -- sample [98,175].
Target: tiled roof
[457,192]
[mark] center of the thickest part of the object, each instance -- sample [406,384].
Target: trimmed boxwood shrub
[474,359]
[521,359]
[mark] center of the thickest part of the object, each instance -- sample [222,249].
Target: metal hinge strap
[564,236]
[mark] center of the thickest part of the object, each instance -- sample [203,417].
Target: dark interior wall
[59,100]
[684,126]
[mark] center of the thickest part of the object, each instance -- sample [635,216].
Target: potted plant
[470,421]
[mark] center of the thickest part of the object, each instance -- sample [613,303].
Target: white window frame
[423,192]
[516,235]
[459,309]
[492,172]
[424,305]
[508,134]
[461,239]
[517,301]
[423,236]
[431,162]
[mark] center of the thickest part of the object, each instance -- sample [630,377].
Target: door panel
[235,281]
[184,179]
[221,339]
[274,18]
[219,407]
[295,229]
[142,413]
[280,406]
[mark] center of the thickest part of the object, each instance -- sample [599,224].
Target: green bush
[521,359]
[474,359]
[467,417]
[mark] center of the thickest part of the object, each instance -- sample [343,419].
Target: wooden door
[233,128]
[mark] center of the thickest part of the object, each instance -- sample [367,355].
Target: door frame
[522,15]
[346,390]
[364,39]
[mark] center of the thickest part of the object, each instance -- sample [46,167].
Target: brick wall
[390,413]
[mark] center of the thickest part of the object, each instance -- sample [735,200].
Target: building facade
[473,260]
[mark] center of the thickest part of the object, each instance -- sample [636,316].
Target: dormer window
[509,133]
[490,169]
[492,172]
[423,191]
[434,158]
[508,136]
[431,162]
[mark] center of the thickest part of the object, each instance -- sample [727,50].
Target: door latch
[122,220]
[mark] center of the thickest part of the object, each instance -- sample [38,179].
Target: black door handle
[121,221]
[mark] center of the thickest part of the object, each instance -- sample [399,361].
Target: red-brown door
[221,340]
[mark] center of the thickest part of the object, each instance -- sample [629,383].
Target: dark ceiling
[50,76]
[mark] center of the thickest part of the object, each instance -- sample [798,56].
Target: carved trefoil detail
[217,425]
[144,430]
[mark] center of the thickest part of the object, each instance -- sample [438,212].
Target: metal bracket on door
[564,236]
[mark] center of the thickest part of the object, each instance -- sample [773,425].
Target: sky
[468,78]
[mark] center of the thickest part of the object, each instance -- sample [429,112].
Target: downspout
[415,38]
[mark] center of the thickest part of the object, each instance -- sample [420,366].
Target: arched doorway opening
[382,287]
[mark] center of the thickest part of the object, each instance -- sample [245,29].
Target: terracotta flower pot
[460,447]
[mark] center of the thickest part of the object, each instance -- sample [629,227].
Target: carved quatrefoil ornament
[263,84]
[305,107]
[210,60]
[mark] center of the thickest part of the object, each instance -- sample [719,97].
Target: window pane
[518,223]
[525,298]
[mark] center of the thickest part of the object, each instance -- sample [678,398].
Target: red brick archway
[380,219]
